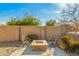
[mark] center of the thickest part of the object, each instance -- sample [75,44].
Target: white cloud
[2,23]
[61,5]
[51,11]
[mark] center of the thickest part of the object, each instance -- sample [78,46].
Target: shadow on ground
[10,44]
[57,52]
[29,51]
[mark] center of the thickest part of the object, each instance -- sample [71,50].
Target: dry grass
[7,48]
[6,51]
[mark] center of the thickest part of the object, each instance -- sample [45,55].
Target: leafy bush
[26,21]
[67,38]
[63,43]
[32,37]
[30,21]
[13,22]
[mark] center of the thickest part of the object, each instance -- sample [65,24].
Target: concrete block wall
[27,30]
[13,33]
[44,32]
[9,33]
[52,32]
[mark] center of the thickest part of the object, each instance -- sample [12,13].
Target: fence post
[45,32]
[19,33]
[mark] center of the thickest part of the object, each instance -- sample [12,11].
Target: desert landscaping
[28,35]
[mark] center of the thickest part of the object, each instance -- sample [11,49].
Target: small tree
[71,15]
[66,28]
[51,22]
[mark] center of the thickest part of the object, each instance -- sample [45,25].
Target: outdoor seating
[52,43]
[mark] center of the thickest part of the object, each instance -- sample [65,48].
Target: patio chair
[53,42]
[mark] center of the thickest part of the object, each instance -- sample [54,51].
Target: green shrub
[76,49]
[61,44]
[64,42]
[32,37]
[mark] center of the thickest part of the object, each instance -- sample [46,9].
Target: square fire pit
[39,45]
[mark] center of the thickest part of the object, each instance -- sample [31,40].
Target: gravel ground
[6,51]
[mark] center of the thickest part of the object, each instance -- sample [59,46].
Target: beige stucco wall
[26,30]
[44,32]
[52,32]
[9,33]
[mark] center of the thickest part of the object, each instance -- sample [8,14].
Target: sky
[41,11]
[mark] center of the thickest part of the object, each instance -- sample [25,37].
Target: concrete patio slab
[57,52]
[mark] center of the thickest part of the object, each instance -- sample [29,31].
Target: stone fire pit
[39,45]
